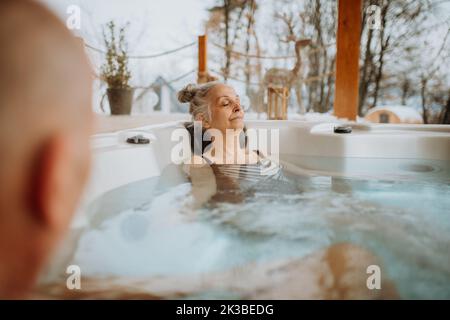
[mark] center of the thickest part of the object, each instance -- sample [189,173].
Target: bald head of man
[45,123]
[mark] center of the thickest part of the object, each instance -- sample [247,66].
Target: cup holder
[138,139]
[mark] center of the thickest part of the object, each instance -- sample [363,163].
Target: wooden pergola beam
[347,59]
[202,59]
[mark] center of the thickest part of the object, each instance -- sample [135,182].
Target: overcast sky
[165,21]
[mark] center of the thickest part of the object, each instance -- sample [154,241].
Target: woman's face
[225,107]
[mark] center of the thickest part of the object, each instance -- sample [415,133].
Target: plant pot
[120,100]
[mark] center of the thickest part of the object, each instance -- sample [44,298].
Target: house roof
[404,113]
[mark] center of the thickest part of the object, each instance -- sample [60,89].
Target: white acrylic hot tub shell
[117,163]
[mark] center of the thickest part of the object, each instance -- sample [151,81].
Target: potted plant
[115,71]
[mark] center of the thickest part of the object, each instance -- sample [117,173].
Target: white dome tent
[394,114]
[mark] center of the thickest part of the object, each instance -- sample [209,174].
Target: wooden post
[277,101]
[277,109]
[347,59]
[202,59]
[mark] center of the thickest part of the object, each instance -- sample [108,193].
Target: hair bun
[187,93]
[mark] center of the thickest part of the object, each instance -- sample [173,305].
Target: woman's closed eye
[228,102]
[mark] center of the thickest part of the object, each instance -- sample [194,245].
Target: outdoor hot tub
[383,187]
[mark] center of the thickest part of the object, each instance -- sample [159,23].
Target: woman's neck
[230,150]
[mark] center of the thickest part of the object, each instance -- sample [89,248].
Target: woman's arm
[204,185]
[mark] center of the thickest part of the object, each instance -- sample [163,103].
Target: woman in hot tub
[224,169]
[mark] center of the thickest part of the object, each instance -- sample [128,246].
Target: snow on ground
[309,117]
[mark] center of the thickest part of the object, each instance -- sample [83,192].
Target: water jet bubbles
[134,227]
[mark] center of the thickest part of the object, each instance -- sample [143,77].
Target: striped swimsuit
[262,170]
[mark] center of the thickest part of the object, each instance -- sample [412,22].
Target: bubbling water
[406,223]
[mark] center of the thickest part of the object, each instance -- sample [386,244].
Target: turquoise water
[399,209]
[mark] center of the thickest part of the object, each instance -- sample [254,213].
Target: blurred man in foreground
[45,122]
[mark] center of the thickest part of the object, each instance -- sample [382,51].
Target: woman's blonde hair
[196,96]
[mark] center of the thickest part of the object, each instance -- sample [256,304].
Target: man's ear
[53,182]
